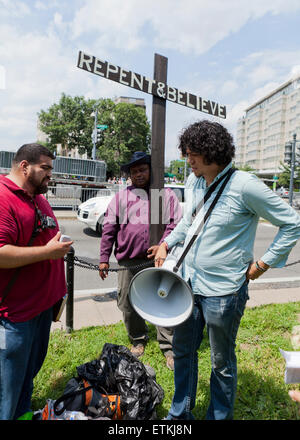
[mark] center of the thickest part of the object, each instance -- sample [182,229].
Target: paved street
[87,244]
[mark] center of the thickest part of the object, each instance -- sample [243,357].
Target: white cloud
[295,72]
[13,8]
[2,77]
[189,27]
[229,87]
[261,74]
[116,23]
[40,6]
[57,19]
[40,63]
[268,65]
[37,71]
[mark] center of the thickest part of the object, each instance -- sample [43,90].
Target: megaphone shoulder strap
[225,178]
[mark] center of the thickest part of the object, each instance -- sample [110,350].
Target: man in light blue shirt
[220,263]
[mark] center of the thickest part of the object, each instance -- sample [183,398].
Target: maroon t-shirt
[39,285]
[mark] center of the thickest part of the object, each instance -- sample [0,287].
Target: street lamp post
[94,135]
[291,191]
[291,157]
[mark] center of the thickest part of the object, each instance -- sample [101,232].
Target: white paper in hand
[292,370]
[65,238]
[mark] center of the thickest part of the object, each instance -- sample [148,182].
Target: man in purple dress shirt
[126,226]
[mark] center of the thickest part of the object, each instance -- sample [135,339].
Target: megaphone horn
[161,296]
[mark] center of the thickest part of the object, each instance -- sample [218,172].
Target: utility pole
[291,191]
[292,158]
[185,169]
[94,135]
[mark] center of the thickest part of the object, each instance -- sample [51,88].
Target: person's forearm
[14,256]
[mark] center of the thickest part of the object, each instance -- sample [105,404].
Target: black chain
[86,265]
[291,264]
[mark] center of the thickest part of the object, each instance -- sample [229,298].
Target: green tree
[246,168]
[285,175]
[128,131]
[177,167]
[70,124]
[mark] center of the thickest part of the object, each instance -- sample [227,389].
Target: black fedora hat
[137,158]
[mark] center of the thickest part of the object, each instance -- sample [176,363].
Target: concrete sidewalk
[97,308]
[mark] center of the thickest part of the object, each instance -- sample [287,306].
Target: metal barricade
[70,197]
[64,196]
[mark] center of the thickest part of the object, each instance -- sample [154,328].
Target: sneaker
[138,350]
[170,362]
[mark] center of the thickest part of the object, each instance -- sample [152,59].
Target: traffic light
[288,152]
[99,134]
[297,158]
[100,129]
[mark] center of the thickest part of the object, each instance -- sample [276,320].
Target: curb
[94,292]
[269,283]
[275,283]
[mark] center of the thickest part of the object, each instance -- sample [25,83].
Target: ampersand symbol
[160,90]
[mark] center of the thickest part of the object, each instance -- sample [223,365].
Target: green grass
[261,395]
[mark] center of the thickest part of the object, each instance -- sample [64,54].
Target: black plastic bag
[119,371]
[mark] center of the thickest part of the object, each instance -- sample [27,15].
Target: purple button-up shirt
[126,223]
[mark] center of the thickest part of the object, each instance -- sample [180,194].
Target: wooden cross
[161,92]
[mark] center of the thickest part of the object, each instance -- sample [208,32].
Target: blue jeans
[221,315]
[23,348]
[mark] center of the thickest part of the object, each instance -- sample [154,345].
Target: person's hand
[151,252]
[103,270]
[295,395]
[161,255]
[253,273]
[57,249]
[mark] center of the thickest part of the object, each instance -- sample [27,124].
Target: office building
[138,102]
[265,128]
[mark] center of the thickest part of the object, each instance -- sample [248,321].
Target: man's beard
[42,189]
[39,187]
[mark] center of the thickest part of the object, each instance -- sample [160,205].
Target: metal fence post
[70,289]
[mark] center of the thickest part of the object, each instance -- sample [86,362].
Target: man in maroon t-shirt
[26,308]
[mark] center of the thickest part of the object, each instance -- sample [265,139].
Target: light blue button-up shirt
[217,262]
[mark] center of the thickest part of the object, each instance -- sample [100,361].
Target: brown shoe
[170,362]
[138,350]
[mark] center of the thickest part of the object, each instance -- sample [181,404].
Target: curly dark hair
[210,139]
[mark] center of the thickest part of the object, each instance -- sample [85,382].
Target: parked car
[296,203]
[93,210]
[283,192]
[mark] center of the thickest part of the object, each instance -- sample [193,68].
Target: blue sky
[229,51]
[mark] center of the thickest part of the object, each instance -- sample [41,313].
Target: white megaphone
[161,296]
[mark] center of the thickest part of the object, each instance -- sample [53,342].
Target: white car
[93,210]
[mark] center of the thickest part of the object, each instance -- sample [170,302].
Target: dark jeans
[221,315]
[23,348]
